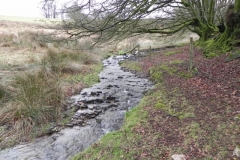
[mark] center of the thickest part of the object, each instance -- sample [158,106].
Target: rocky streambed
[99,110]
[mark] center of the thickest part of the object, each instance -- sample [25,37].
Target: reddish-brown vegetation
[213,91]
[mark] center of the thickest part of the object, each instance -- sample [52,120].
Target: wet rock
[110,98]
[77,122]
[84,93]
[113,105]
[91,107]
[94,94]
[112,121]
[94,117]
[69,125]
[91,100]
[98,120]
[70,101]
[52,130]
[129,94]
[109,86]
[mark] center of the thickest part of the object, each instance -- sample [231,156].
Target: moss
[160,105]
[211,55]
[176,61]
[114,145]
[184,115]
[186,75]
[87,79]
[170,53]
[193,129]
[132,65]
[225,41]
[156,73]
[121,52]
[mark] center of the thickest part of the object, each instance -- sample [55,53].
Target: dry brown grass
[32,80]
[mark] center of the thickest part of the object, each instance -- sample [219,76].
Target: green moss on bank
[125,143]
[132,65]
[89,78]
[117,145]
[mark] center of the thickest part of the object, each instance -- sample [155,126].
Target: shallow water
[101,109]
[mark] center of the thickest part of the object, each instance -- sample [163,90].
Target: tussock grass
[3,92]
[37,101]
[35,98]
[63,61]
[26,39]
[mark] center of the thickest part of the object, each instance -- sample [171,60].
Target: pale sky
[22,8]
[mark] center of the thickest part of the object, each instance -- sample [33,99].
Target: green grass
[116,145]
[213,135]
[124,144]
[132,65]
[37,97]
[169,53]
[60,61]
[157,72]
[36,102]
[88,78]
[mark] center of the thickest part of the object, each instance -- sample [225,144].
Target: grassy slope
[35,79]
[195,114]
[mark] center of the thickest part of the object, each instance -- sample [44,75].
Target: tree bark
[237,6]
[231,36]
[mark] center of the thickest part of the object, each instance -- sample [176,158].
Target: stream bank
[188,114]
[100,109]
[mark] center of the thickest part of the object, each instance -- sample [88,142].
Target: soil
[213,91]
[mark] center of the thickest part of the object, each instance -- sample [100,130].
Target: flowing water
[100,109]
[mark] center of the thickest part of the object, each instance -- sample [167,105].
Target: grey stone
[69,125]
[178,157]
[236,151]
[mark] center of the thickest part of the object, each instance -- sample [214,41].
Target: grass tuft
[115,144]
[60,61]
[169,53]
[37,101]
[132,65]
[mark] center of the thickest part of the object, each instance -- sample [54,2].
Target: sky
[22,8]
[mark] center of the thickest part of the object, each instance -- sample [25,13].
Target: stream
[99,109]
